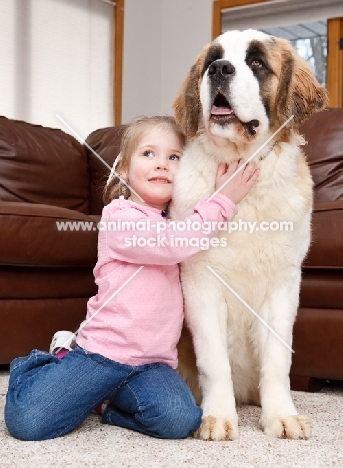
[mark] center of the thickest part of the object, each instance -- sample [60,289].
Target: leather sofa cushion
[42,165]
[324,134]
[28,325]
[105,142]
[322,289]
[326,250]
[46,283]
[318,344]
[30,236]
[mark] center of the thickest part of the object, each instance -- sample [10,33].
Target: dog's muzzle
[220,73]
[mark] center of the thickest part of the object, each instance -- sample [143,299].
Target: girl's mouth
[160,180]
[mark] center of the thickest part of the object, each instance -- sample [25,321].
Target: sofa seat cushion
[42,165]
[31,236]
[322,289]
[46,282]
[318,344]
[326,250]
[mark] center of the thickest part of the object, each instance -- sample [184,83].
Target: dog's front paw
[212,428]
[289,427]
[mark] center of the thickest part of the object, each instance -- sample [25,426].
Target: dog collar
[261,158]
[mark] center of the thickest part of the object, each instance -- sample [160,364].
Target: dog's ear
[187,105]
[299,93]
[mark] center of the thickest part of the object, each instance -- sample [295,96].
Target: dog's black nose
[221,68]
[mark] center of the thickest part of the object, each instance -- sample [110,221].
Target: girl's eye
[174,157]
[148,153]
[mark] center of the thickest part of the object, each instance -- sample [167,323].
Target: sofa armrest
[105,144]
[42,165]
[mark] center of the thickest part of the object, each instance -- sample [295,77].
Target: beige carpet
[96,445]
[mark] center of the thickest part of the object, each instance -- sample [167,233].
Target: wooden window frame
[335,52]
[334,62]
[118,51]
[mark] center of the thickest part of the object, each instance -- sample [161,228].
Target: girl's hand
[241,183]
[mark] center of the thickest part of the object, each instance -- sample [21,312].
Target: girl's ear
[123,171]
[124,175]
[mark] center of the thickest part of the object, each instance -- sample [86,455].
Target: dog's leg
[206,315]
[187,363]
[279,415]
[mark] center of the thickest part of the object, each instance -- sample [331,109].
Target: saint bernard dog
[236,349]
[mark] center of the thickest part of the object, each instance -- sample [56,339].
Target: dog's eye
[256,63]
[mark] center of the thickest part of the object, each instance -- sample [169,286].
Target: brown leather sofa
[318,331]
[46,275]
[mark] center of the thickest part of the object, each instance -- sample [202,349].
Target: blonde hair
[133,134]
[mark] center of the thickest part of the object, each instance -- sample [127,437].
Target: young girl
[126,348]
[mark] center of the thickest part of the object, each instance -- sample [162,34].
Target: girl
[126,348]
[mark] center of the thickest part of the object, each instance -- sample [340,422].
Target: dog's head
[245,83]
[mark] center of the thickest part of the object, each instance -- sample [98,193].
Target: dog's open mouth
[222,113]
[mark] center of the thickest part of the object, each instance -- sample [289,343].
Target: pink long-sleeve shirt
[138,319]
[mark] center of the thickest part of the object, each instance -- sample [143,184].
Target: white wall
[142,57]
[56,57]
[162,39]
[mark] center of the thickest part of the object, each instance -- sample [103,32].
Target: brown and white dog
[241,89]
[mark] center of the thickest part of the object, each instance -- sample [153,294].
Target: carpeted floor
[96,445]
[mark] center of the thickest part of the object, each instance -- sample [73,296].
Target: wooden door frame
[334,56]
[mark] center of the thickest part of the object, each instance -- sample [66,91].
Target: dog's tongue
[221,110]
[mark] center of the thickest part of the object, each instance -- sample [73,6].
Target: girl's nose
[162,163]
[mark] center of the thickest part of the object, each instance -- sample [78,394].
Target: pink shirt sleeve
[155,245]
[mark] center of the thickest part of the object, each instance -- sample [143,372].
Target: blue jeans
[48,397]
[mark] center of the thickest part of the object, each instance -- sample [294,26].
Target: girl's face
[153,166]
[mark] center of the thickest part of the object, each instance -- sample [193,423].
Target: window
[309,40]
[293,17]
